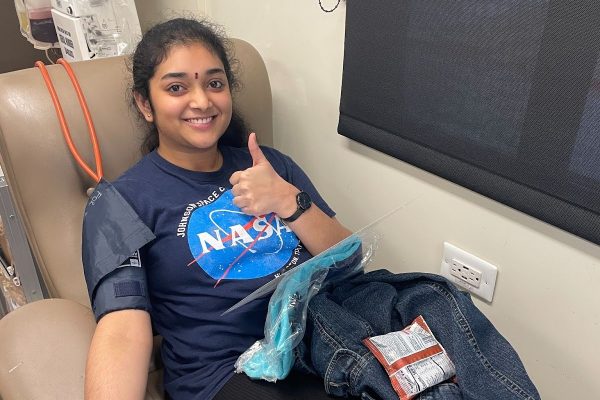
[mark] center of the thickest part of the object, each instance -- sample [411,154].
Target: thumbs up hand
[258,156]
[259,190]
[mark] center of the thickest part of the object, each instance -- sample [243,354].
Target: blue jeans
[442,391]
[487,367]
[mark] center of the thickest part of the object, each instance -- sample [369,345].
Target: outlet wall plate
[470,275]
[469,272]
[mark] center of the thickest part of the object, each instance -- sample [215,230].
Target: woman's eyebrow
[214,71]
[180,75]
[171,75]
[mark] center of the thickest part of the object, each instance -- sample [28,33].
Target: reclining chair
[44,344]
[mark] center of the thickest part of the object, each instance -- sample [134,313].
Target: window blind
[499,96]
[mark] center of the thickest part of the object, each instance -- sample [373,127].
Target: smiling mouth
[205,120]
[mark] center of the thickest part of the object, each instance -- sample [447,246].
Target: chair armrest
[44,348]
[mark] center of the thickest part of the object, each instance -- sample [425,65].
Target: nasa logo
[228,244]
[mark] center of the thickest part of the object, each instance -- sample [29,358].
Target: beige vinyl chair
[44,344]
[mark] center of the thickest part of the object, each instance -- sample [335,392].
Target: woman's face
[191,102]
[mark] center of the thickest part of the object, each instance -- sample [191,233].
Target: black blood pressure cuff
[112,235]
[125,288]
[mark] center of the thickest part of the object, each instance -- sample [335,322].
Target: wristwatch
[303,201]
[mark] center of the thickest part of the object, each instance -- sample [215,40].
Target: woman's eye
[216,85]
[175,88]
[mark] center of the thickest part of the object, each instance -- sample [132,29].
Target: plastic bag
[36,24]
[96,29]
[272,358]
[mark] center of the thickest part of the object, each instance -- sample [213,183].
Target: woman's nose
[200,100]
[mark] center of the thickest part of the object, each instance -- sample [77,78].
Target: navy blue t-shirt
[207,255]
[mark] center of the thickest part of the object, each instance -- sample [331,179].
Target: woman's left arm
[318,231]
[259,190]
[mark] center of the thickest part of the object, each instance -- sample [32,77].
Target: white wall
[152,11]
[545,303]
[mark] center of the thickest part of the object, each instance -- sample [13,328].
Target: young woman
[228,215]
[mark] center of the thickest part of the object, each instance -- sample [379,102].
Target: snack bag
[412,357]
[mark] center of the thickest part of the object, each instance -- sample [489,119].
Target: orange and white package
[412,357]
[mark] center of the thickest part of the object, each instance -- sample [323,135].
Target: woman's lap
[296,386]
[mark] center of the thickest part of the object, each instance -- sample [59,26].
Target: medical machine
[88,29]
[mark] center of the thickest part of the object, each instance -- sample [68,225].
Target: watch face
[304,200]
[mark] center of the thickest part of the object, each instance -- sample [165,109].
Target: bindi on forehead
[196,75]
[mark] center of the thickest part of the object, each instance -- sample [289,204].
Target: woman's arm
[119,356]
[317,231]
[260,190]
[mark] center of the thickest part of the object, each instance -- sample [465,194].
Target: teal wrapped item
[272,358]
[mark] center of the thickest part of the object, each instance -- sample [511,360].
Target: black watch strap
[303,201]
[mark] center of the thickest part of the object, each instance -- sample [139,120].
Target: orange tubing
[87,116]
[98,174]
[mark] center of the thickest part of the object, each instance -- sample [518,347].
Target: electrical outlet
[469,272]
[465,273]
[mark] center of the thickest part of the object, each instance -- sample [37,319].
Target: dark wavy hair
[154,47]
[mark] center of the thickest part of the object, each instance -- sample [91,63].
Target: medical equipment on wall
[88,29]
[35,23]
